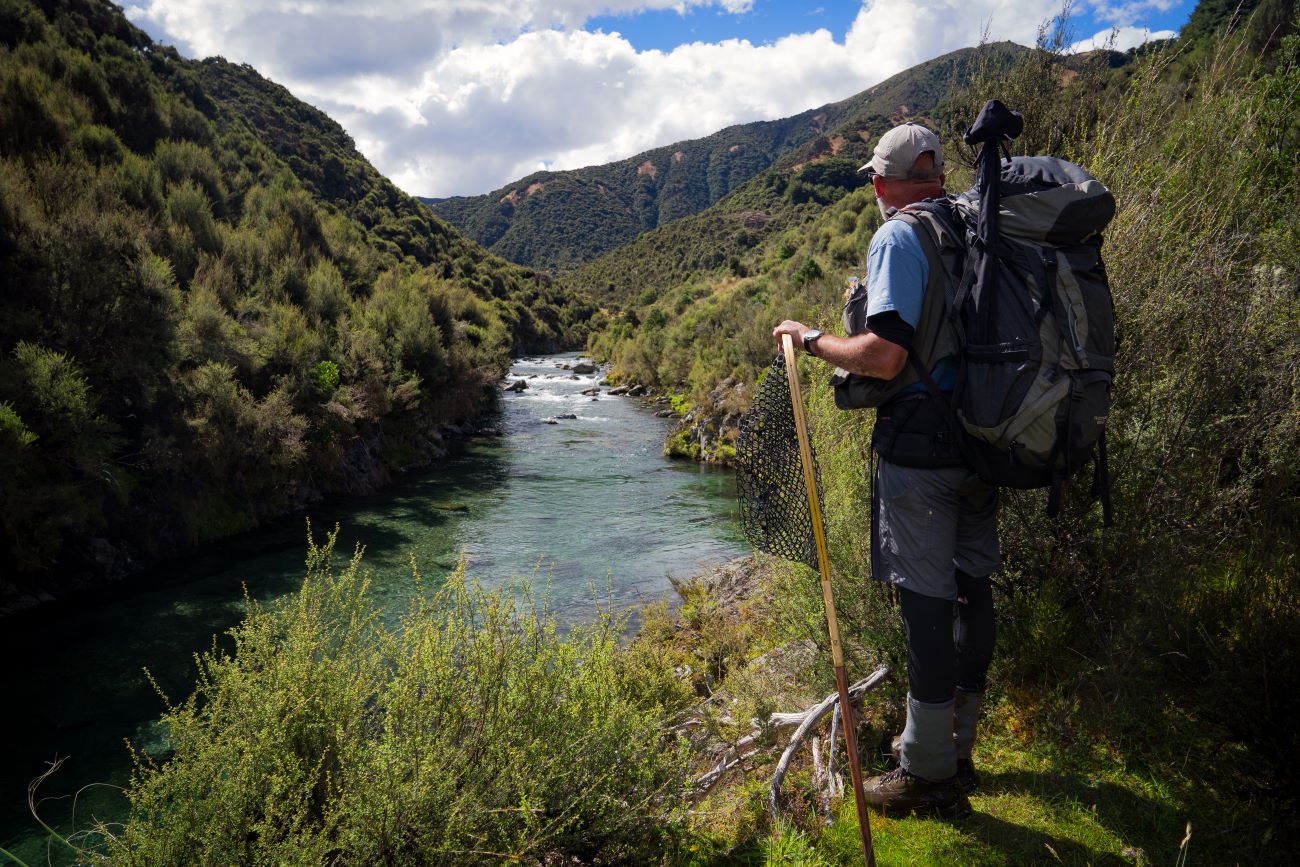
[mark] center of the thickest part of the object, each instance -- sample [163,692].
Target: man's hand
[794,329]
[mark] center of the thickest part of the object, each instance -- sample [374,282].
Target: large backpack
[1033,390]
[1031,313]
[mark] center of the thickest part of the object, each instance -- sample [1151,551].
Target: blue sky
[459,97]
[766,22]
[769,20]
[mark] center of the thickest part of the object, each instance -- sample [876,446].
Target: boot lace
[898,773]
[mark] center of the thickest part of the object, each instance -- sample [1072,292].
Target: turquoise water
[588,506]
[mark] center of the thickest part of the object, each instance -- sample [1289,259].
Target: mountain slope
[727,238]
[215,310]
[559,220]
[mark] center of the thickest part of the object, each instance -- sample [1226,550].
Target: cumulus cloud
[1121,39]
[452,97]
[1129,14]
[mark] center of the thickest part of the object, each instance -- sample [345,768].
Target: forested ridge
[558,220]
[214,308]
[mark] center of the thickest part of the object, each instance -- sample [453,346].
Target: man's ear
[878,184]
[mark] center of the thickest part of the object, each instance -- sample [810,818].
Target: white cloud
[1120,39]
[1130,14]
[452,97]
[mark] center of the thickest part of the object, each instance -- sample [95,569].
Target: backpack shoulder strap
[938,230]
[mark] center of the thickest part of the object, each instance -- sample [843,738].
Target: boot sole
[951,812]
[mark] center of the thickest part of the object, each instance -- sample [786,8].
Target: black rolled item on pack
[995,124]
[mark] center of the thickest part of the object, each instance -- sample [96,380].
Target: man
[937,521]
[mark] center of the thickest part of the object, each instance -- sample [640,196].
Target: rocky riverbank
[707,429]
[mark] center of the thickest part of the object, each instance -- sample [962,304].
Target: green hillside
[214,308]
[559,220]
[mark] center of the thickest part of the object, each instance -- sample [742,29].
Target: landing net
[774,510]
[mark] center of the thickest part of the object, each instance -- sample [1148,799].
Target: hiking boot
[967,777]
[899,792]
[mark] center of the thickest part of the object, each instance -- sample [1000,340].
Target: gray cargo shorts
[932,522]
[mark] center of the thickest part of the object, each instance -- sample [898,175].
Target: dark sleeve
[890,326]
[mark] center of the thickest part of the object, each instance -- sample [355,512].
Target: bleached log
[709,779]
[812,717]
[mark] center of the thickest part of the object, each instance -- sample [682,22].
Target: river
[588,506]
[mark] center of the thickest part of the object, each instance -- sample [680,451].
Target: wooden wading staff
[837,656]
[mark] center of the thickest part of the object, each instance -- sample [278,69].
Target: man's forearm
[864,354]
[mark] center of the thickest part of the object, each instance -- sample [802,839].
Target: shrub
[472,730]
[99,144]
[325,376]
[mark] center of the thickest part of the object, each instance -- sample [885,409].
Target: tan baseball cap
[898,150]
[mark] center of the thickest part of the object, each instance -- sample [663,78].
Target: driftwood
[811,718]
[735,753]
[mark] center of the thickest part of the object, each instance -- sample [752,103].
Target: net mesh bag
[774,510]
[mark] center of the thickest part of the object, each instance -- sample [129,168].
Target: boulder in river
[590,392]
[567,416]
[518,385]
[636,391]
[550,421]
[583,367]
[622,389]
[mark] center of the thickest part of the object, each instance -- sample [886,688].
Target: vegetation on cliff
[214,307]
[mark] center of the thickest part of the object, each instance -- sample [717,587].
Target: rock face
[361,468]
[708,432]
[733,582]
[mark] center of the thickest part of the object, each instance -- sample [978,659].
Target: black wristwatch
[808,337]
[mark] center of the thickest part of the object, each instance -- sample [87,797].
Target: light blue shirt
[897,274]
